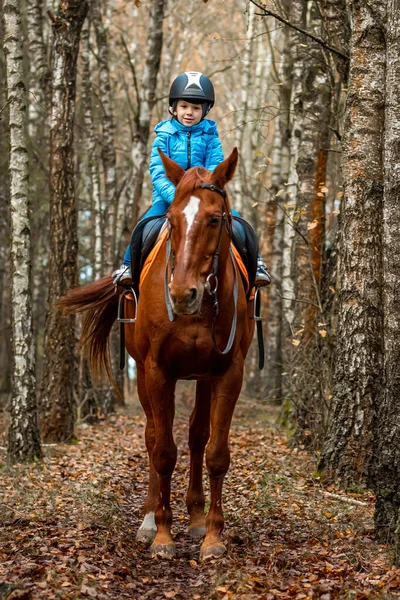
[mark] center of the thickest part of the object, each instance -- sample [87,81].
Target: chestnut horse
[179,333]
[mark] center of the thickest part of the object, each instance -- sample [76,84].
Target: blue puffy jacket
[196,146]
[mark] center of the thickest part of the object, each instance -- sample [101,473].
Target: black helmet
[194,87]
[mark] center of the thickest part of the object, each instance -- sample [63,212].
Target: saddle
[146,232]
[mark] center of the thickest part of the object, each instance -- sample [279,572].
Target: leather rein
[211,284]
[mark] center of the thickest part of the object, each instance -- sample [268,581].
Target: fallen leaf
[89,591]
[222,588]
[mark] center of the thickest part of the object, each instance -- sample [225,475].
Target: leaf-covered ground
[68,524]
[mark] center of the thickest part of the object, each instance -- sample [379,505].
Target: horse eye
[214,221]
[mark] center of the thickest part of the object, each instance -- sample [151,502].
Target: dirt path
[68,525]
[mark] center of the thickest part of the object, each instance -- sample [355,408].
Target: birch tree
[144,108]
[23,432]
[5,304]
[243,131]
[59,373]
[101,25]
[309,222]
[385,469]
[358,356]
[92,152]
[279,177]
[38,151]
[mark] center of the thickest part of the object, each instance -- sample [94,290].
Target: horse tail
[99,301]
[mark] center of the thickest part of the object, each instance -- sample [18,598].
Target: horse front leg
[161,394]
[199,433]
[224,394]
[148,529]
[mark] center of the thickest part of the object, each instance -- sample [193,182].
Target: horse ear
[173,171]
[226,170]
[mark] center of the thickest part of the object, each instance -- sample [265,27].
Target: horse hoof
[197,533]
[146,536]
[213,551]
[167,551]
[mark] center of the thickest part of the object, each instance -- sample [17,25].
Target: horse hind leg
[148,529]
[199,432]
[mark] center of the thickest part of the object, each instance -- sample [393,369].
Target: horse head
[200,230]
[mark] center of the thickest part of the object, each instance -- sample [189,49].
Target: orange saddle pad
[156,249]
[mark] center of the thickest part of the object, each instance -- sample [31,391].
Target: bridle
[211,284]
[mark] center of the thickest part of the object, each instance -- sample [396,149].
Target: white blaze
[190,211]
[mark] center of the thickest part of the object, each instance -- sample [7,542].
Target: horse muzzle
[186,300]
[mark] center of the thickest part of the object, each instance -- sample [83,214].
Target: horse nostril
[192,295]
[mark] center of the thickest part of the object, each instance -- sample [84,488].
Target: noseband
[211,277]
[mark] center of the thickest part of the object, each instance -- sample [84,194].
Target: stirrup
[120,317]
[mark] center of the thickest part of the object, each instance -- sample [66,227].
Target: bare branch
[270,13]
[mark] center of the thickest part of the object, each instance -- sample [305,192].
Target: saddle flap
[143,239]
[246,243]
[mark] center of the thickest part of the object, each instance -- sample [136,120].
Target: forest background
[309,93]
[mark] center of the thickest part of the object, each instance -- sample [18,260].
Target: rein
[212,277]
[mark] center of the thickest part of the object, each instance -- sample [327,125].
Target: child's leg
[158,209]
[262,275]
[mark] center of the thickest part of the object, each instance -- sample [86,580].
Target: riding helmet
[194,87]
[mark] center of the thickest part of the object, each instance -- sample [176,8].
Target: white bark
[288,284]
[242,131]
[23,435]
[37,69]
[91,145]
[358,355]
[108,150]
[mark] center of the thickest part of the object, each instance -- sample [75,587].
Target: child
[190,140]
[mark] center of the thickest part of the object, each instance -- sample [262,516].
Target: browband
[213,188]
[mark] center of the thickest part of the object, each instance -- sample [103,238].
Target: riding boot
[262,274]
[123,276]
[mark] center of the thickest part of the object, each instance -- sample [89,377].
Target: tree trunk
[108,143]
[109,160]
[23,432]
[385,476]
[308,244]
[336,31]
[146,101]
[295,127]
[5,301]
[358,359]
[59,373]
[92,154]
[279,177]
[38,101]
[243,131]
